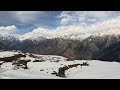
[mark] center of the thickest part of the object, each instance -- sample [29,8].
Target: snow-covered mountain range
[75,42]
[75,35]
[92,47]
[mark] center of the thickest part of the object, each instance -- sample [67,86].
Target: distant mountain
[111,53]
[9,42]
[102,45]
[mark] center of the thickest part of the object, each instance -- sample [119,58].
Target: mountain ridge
[67,47]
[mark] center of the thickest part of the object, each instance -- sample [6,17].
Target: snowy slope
[7,54]
[96,70]
[42,70]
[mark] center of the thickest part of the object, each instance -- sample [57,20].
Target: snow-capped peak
[9,37]
[65,32]
[112,31]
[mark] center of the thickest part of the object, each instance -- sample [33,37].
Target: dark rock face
[9,43]
[55,46]
[105,48]
[2,46]
[111,53]
[94,47]
[88,48]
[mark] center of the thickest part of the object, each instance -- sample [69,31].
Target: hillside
[49,64]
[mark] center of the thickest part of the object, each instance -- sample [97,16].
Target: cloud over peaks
[77,31]
[8,29]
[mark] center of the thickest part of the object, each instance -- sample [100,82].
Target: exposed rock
[94,47]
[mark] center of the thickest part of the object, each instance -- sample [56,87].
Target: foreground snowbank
[42,70]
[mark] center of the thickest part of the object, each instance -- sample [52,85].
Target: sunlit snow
[96,70]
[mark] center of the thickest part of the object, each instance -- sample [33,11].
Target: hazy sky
[21,22]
